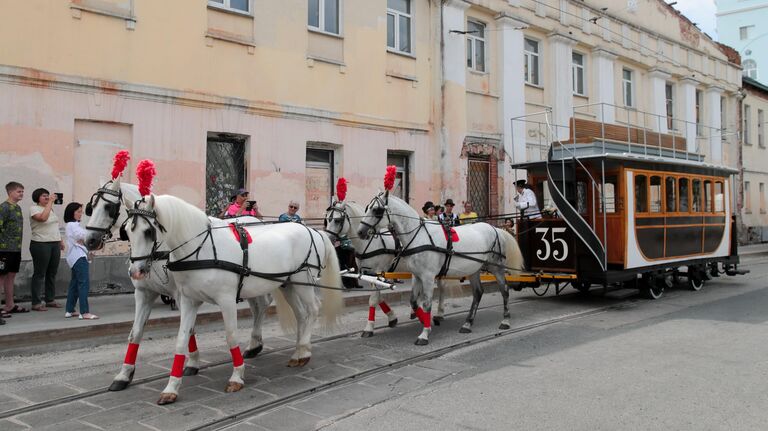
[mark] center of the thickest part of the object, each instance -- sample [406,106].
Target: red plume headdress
[389,178]
[145,172]
[120,162]
[341,189]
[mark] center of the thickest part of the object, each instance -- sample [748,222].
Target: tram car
[633,214]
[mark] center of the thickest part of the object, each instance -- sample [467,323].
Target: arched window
[749,68]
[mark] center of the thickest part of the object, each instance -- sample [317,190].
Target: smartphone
[59,199]
[250,205]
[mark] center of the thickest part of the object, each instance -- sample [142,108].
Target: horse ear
[150,202]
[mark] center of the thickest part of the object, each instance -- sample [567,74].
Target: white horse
[426,251]
[104,220]
[209,265]
[376,255]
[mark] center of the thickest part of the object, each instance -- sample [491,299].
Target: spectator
[526,201]
[449,218]
[241,206]
[46,247]
[11,228]
[439,211]
[77,259]
[468,216]
[291,216]
[509,225]
[429,211]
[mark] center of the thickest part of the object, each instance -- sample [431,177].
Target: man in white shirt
[526,201]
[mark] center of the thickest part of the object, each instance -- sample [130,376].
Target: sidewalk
[753,249]
[116,318]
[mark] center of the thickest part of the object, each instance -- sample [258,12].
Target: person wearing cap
[525,201]
[448,217]
[239,206]
[429,211]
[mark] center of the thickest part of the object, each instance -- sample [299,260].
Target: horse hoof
[251,353]
[366,334]
[304,361]
[392,323]
[118,385]
[233,387]
[166,399]
[293,363]
[504,326]
[421,342]
[464,330]
[191,371]
[437,320]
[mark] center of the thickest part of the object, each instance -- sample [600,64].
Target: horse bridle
[113,208]
[151,218]
[379,211]
[344,219]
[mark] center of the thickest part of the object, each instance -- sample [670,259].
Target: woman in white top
[526,201]
[77,259]
[46,247]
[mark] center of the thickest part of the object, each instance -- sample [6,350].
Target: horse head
[103,211]
[374,214]
[337,221]
[145,235]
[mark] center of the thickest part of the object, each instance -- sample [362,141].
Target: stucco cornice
[600,51]
[559,37]
[76,84]
[457,4]
[506,20]
[659,73]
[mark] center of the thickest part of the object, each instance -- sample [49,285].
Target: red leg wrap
[178,366]
[384,307]
[371,314]
[237,358]
[420,315]
[130,354]
[192,344]
[427,319]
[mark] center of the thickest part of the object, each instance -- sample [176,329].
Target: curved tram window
[641,193]
[719,197]
[683,191]
[697,204]
[708,196]
[656,194]
[671,194]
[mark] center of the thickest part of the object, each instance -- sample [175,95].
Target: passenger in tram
[509,226]
[526,201]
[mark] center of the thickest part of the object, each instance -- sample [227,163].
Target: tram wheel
[695,283]
[581,286]
[651,287]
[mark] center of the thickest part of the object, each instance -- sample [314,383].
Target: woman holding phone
[46,247]
[241,206]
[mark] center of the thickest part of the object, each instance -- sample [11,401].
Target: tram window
[683,192]
[719,197]
[671,189]
[697,204]
[542,194]
[655,194]
[641,193]
[610,195]
[708,196]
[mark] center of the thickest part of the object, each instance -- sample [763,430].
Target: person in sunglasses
[291,215]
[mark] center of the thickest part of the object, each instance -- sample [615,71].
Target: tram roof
[635,159]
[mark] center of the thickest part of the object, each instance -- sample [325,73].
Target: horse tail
[330,276]
[284,311]
[515,262]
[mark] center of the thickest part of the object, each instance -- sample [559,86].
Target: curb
[44,336]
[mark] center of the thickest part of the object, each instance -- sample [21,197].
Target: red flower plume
[389,178]
[121,160]
[145,172]
[341,189]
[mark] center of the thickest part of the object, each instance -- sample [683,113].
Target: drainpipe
[743,233]
[443,132]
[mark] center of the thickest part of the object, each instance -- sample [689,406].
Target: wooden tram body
[662,209]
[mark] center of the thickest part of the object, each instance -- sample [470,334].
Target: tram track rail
[226,362]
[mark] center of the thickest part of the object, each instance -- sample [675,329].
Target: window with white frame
[531,51]
[402,187]
[233,5]
[669,96]
[324,15]
[747,125]
[626,87]
[399,25]
[577,72]
[476,46]
[760,128]
[749,68]
[699,113]
[747,198]
[745,31]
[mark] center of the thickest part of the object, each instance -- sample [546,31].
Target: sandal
[53,304]
[88,316]
[5,315]
[67,315]
[39,307]
[17,309]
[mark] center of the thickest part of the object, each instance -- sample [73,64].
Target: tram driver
[526,201]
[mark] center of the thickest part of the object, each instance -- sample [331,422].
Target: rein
[113,209]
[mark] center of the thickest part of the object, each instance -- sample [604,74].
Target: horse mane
[406,210]
[181,219]
[130,193]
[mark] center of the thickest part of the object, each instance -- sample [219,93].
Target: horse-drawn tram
[629,214]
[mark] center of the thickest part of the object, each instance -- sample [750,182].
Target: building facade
[755,107]
[283,98]
[743,25]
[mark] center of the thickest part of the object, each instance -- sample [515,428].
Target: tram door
[319,183]
[224,170]
[478,185]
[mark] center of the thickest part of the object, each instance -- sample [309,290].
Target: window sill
[762,212]
[582,96]
[326,60]
[230,11]
[762,147]
[323,32]
[539,86]
[401,76]
[477,72]
[230,38]
[76,8]
[401,53]
[747,211]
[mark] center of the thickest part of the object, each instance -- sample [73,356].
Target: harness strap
[244,268]
[192,265]
[448,250]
